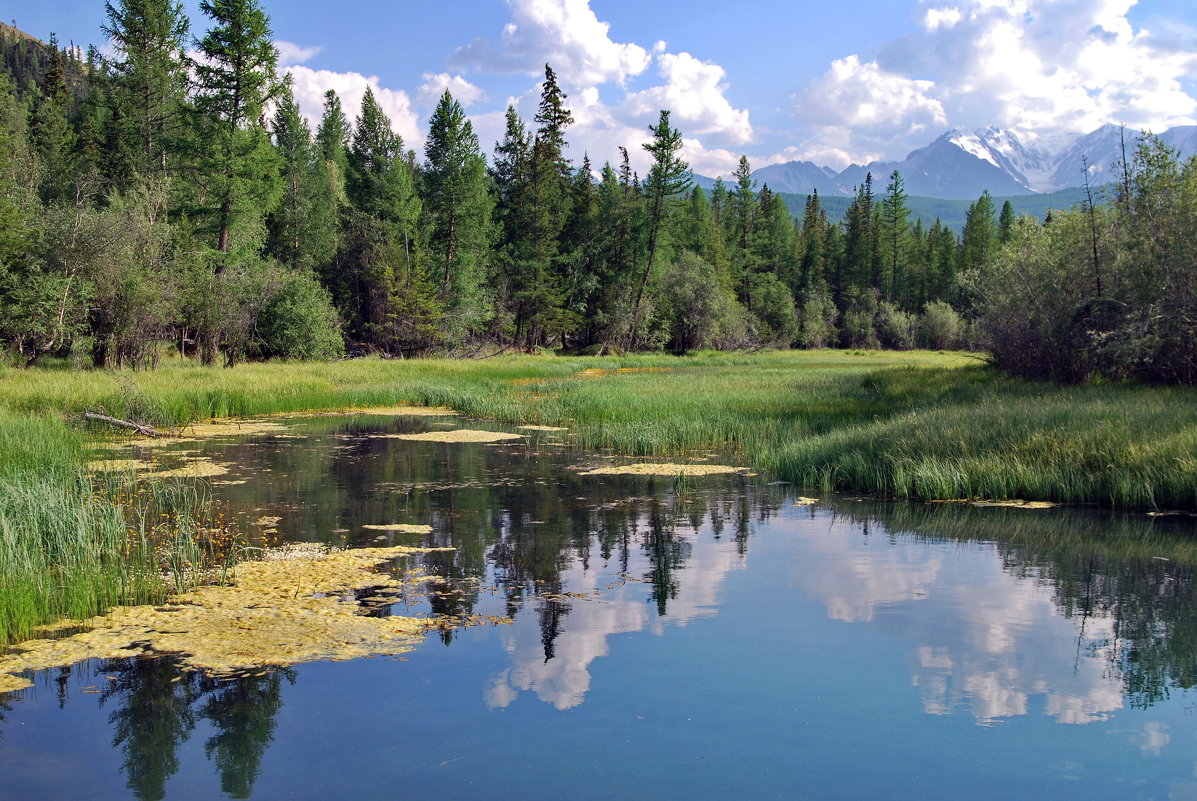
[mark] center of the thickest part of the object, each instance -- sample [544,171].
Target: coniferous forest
[173,197]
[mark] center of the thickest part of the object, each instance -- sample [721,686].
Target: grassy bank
[917,424]
[72,545]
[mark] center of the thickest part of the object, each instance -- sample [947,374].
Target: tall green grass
[71,545]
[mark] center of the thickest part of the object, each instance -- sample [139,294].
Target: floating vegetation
[159,442]
[804,501]
[299,604]
[405,411]
[457,435]
[543,428]
[233,427]
[1017,504]
[663,469]
[401,528]
[117,465]
[198,468]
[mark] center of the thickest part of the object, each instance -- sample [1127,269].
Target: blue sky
[832,82]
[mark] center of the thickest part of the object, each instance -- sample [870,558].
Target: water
[704,639]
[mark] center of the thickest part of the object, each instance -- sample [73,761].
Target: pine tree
[979,239]
[149,84]
[1006,222]
[395,302]
[235,79]
[813,270]
[459,209]
[855,273]
[303,229]
[53,138]
[668,178]
[535,216]
[893,237]
[332,137]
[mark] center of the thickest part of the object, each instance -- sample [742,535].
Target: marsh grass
[73,545]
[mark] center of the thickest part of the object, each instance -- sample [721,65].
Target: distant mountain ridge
[960,165]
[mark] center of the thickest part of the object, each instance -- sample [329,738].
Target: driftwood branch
[148,431]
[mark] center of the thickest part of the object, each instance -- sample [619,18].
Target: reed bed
[73,545]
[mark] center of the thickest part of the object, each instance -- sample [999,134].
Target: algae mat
[296,605]
[661,469]
[458,435]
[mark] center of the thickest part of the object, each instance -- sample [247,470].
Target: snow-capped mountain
[962,164]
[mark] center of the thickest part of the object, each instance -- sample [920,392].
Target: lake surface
[709,638]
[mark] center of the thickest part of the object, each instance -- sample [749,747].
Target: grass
[907,425]
[72,546]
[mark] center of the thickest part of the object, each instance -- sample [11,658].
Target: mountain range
[961,164]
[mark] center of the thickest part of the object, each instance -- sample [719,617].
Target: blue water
[738,646]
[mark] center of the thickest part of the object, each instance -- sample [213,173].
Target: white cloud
[290,53]
[854,94]
[941,17]
[1043,67]
[693,92]
[590,66]
[435,84]
[563,33]
[857,111]
[309,86]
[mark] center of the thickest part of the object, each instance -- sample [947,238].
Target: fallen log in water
[148,431]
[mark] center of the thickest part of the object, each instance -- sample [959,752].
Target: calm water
[706,640]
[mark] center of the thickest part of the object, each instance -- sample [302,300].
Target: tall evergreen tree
[395,302]
[303,229]
[979,239]
[668,179]
[150,83]
[855,272]
[53,137]
[537,214]
[235,79]
[459,210]
[893,237]
[332,137]
[1006,222]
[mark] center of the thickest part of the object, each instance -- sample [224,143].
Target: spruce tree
[668,179]
[893,236]
[235,79]
[303,229]
[459,209]
[395,302]
[979,239]
[53,138]
[149,84]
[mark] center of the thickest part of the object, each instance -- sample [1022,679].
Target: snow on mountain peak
[973,145]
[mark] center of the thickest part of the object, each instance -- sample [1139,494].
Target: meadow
[917,425]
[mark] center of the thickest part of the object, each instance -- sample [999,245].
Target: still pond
[712,637]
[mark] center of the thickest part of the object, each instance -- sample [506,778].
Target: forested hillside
[174,196]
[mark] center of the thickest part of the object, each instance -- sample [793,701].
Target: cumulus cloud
[857,109]
[290,53]
[435,84]
[594,70]
[309,86]
[1038,66]
[566,34]
[693,92]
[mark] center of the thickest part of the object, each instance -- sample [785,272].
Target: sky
[848,81]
